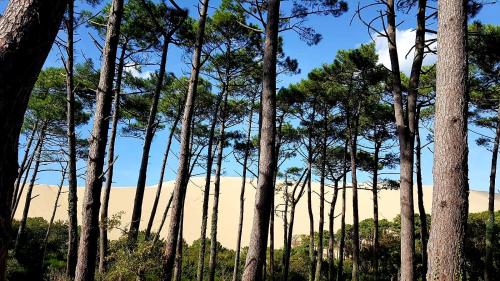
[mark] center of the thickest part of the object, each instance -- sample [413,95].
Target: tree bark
[27,202]
[242,194]
[183,170]
[424,235]
[162,175]
[490,225]
[165,213]
[331,236]
[27,30]
[148,139]
[265,190]
[178,255]
[450,193]
[206,191]
[87,249]
[310,213]
[340,270]
[376,243]
[353,134]
[103,226]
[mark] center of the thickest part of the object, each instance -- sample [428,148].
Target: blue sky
[338,33]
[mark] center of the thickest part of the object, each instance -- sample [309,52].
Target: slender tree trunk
[165,213]
[340,270]
[183,170]
[490,225]
[27,30]
[22,167]
[162,175]
[206,191]
[331,236]
[51,221]
[103,226]
[271,242]
[70,118]
[87,249]
[376,243]
[424,235]
[310,213]
[178,255]
[27,202]
[353,128]
[148,139]
[450,193]
[242,194]
[267,159]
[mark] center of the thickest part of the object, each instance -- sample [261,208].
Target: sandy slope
[122,200]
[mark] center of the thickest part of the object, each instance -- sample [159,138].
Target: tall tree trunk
[51,221]
[27,202]
[162,175]
[103,226]
[71,134]
[148,139]
[424,235]
[87,249]
[206,191]
[271,242]
[267,159]
[450,193]
[353,128]
[376,243]
[340,270]
[183,169]
[215,209]
[490,225]
[331,233]
[22,167]
[165,213]
[311,264]
[178,255]
[27,30]
[242,193]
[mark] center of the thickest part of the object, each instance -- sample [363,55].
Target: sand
[122,201]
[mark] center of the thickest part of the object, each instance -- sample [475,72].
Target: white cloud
[405,39]
[137,72]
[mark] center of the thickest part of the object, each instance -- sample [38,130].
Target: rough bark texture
[449,201]
[242,196]
[424,235]
[87,250]
[490,225]
[265,190]
[27,30]
[70,119]
[148,139]
[183,169]
[103,226]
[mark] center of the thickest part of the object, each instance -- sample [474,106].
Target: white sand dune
[122,201]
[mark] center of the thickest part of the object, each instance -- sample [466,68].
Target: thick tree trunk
[376,243]
[183,169]
[103,226]
[490,225]
[215,209]
[242,194]
[148,139]
[267,159]
[27,202]
[87,249]
[450,193]
[71,256]
[162,175]
[206,191]
[353,128]
[331,233]
[424,235]
[27,30]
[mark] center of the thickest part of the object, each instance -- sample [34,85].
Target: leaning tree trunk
[87,249]
[206,191]
[71,256]
[490,225]
[449,202]
[340,270]
[103,226]
[148,139]
[242,194]
[215,209]
[183,169]
[163,218]
[27,30]
[424,235]
[265,190]
[27,202]
[376,243]
[162,175]
[331,236]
